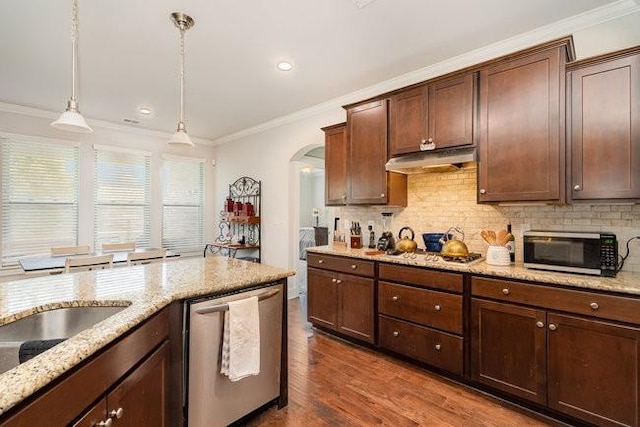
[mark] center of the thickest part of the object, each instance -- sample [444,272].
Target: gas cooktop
[470,259]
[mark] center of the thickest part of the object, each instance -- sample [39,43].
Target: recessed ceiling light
[145,111]
[285,66]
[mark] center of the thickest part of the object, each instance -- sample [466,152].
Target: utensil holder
[498,255]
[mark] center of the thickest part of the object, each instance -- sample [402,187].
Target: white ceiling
[129,52]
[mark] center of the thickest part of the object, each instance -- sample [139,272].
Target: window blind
[122,197]
[39,198]
[183,205]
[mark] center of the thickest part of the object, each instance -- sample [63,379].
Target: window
[39,197]
[183,204]
[122,196]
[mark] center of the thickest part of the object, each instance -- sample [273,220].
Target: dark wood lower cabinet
[594,370]
[139,400]
[508,347]
[341,302]
[436,348]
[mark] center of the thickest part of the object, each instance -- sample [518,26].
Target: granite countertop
[628,283]
[144,289]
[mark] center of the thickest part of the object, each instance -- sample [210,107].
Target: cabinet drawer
[426,345]
[421,277]
[430,308]
[342,264]
[580,302]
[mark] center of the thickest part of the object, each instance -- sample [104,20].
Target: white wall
[265,155]
[37,123]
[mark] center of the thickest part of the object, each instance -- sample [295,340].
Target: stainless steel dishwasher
[211,398]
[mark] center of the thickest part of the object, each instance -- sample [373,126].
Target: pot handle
[406,228]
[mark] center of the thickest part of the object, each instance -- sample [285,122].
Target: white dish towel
[241,339]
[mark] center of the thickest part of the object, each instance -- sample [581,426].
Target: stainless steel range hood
[436,160]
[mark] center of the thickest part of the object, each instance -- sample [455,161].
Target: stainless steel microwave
[572,252]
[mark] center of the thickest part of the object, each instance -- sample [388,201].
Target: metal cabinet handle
[105,423]
[577,187]
[396,333]
[438,347]
[506,291]
[394,298]
[116,413]
[333,280]
[594,306]
[483,191]
[381,194]
[353,266]
[320,261]
[540,324]
[437,307]
[552,327]
[423,141]
[338,281]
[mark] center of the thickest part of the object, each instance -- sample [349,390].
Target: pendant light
[71,119]
[183,22]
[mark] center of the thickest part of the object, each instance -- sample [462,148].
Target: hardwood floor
[334,383]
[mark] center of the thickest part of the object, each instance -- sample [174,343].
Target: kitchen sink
[53,324]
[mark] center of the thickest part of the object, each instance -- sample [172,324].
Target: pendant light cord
[182,74]
[74,47]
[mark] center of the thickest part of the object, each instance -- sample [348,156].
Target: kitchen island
[144,290]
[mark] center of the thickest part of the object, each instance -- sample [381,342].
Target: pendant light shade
[71,119]
[183,22]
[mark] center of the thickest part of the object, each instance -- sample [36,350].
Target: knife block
[356,242]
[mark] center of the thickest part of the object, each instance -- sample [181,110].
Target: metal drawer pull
[396,333]
[594,306]
[437,347]
[353,266]
[395,298]
[437,307]
[552,327]
[338,281]
[333,280]
[106,423]
[539,324]
[320,261]
[506,291]
[116,413]
[225,306]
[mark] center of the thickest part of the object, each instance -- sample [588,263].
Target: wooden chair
[146,257]
[70,250]
[88,262]
[126,246]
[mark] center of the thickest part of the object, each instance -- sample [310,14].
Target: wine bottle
[511,244]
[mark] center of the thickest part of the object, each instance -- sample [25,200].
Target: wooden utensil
[500,237]
[492,237]
[486,236]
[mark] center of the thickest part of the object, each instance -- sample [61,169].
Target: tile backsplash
[440,200]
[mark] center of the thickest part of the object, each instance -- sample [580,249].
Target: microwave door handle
[224,306]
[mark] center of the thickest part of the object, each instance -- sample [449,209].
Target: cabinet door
[335,145]
[508,349]
[367,153]
[593,370]
[322,293]
[408,121]
[141,398]
[355,307]
[605,130]
[451,111]
[521,132]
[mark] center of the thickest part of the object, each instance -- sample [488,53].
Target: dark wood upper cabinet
[441,112]
[368,182]
[335,146]
[521,145]
[604,126]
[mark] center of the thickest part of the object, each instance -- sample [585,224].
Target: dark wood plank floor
[334,383]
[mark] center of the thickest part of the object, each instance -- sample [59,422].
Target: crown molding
[539,35]
[95,123]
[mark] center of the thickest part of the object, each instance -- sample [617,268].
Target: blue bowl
[432,241]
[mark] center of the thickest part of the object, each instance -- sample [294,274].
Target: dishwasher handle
[224,306]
